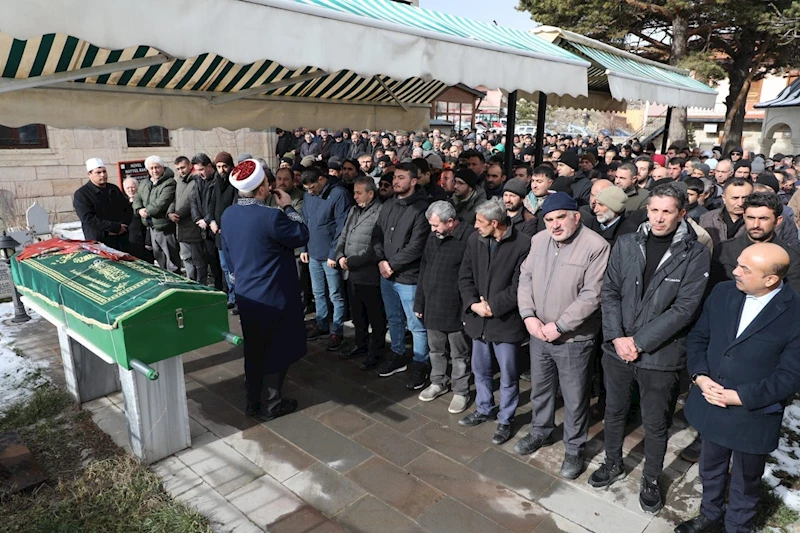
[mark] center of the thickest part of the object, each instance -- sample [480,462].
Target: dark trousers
[506,355]
[366,308]
[656,389]
[263,389]
[745,477]
[212,260]
[305,281]
[565,365]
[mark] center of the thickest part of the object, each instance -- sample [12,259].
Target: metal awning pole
[665,139]
[511,118]
[541,118]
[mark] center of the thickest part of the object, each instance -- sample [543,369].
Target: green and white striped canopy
[232,44]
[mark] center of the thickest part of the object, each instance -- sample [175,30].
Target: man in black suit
[743,355]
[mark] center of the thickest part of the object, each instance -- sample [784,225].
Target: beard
[606,217]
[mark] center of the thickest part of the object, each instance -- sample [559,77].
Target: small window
[148,137]
[30,136]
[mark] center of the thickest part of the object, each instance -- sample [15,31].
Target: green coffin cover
[128,309]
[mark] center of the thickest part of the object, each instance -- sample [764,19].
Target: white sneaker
[458,404]
[432,392]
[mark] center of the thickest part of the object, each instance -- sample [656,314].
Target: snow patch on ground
[787,458]
[19,376]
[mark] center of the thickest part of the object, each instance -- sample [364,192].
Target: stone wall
[50,176]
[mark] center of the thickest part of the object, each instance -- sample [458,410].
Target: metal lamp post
[8,245]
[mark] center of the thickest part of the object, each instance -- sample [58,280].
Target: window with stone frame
[30,136]
[153,136]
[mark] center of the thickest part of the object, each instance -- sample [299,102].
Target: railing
[649,128]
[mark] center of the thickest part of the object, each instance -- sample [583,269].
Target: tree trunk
[735,103]
[680,27]
[741,75]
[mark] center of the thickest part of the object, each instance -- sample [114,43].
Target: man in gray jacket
[356,256]
[187,232]
[560,305]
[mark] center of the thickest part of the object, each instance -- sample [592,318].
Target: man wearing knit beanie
[514,193]
[570,174]
[467,196]
[559,299]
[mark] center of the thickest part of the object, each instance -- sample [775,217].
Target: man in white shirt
[743,358]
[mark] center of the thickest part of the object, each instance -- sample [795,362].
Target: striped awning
[344,38]
[627,77]
[206,73]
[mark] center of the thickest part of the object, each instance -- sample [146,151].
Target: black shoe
[371,362]
[502,434]
[230,305]
[314,332]
[692,452]
[530,443]
[473,419]
[252,409]
[650,496]
[352,353]
[235,310]
[419,375]
[334,343]
[607,474]
[699,524]
[525,376]
[285,407]
[572,467]
[395,365]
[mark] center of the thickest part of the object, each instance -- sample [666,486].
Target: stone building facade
[51,175]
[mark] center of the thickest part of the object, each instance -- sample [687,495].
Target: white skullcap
[94,163]
[247,175]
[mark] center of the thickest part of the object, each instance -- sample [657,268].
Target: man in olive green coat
[152,202]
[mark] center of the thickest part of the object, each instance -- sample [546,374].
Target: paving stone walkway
[363,454]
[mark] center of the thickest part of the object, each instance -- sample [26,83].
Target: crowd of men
[599,259]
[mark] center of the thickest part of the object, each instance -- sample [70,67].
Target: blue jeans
[398,299]
[506,355]
[320,274]
[224,264]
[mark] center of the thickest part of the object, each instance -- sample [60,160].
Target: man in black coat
[762,214]
[202,214]
[438,304]
[488,280]
[104,211]
[399,239]
[649,301]
[224,196]
[743,358]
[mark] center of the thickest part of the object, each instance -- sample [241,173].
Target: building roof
[788,97]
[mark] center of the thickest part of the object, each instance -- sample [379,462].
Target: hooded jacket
[401,232]
[224,196]
[658,316]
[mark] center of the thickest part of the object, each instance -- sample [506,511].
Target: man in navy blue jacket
[744,357]
[325,207]
[259,241]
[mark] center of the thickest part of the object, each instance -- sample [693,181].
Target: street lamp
[8,245]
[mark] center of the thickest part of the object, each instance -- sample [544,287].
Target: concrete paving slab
[274,455]
[389,444]
[264,501]
[176,476]
[325,489]
[590,512]
[220,466]
[223,516]
[450,516]
[370,514]
[525,480]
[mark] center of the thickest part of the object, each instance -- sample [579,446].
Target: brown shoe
[334,343]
